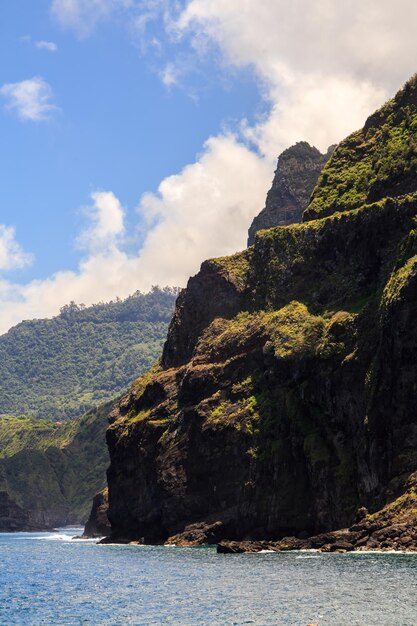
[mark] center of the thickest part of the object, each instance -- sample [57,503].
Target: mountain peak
[295,177]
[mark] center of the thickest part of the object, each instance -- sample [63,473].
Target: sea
[50,578]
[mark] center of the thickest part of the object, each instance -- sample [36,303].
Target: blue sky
[139,137]
[116,126]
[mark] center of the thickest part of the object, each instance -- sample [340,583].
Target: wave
[69,537]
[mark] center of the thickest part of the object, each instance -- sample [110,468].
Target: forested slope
[62,367]
[50,471]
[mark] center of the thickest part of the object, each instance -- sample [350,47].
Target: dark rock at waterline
[394,528]
[98,524]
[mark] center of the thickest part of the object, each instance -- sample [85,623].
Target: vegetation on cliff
[61,367]
[285,398]
[52,470]
[376,162]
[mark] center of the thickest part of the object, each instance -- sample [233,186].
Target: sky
[139,137]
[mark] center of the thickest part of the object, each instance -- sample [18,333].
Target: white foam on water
[55,537]
[70,536]
[307,556]
[398,552]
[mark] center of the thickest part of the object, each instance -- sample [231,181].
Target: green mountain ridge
[62,367]
[376,162]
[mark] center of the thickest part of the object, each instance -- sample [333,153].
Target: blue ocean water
[50,579]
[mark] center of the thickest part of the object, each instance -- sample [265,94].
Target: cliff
[285,398]
[295,178]
[14,518]
[49,472]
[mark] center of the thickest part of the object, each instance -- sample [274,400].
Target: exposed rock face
[15,519]
[295,178]
[98,524]
[392,528]
[285,400]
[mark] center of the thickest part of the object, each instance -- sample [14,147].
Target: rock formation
[295,178]
[98,523]
[285,399]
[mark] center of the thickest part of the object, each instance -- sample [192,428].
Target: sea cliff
[284,402]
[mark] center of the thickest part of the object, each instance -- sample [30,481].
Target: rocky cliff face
[98,523]
[285,399]
[15,519]
[295,178]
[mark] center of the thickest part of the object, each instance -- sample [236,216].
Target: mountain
[62,367]
[284,404]
[49,471]
[295,178]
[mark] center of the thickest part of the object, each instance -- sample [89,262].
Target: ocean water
[50,579]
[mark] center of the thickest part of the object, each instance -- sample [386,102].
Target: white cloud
[83,15]
[107,217]
[372,39]
[202,212]
[12,255]
[50,46]
[318,109]
[29,99]
[322,67]
[169,75]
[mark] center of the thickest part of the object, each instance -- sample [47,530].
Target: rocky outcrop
[98,524]
[295,178]
[13,518]
[285,397]
[394,528]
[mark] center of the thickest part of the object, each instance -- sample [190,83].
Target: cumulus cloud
[370,40]
[107,222]
[12,255]
[83,15]
[50,46]
[202,212]
[320,110]
[29,99]
[322,67]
